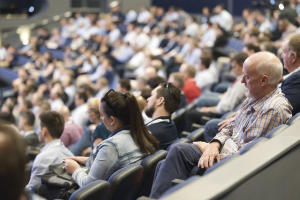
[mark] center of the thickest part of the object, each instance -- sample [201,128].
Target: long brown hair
[125,108]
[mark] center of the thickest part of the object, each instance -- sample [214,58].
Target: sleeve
[101,168]
[39,168]
[225,133]
[231,98]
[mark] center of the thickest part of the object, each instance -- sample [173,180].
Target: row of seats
[127,183]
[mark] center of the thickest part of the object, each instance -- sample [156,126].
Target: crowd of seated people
[167,59]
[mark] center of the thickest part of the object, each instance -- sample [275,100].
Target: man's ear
[265,80]
[293,56]
[45,131]
[160,101]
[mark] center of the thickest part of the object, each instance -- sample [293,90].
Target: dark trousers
[179,163]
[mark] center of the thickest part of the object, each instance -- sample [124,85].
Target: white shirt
[80,115]
[232,97]
[52,153]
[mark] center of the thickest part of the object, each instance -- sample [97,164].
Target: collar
[159,119]
[257,103]
[288,75]
[53,143]
[26,133]
[118,130]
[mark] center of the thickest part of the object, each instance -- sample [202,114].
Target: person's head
[261,74]
[7,117]
[251,48]
[102,83]
[51,126]
[93,110]
[155,81]
[237,63]
[124,85]
[291,53]
[80,98]
[177,79]
[119,110]
[13,160]
[205,61]
[65,112]
[164,98]
[26,120]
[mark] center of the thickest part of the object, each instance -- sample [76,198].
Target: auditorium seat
[180,185]
[196,135]
[125,182]
[96,190]
[149,164]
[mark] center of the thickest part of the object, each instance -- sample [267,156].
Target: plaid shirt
[255,118]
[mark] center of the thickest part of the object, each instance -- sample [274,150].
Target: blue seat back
[96,190]
[149,164]
[125,182]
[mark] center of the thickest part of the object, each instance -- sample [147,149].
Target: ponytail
[125,108]
[139,132]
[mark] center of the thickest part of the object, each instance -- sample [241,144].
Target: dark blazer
[32,140]
[291,88]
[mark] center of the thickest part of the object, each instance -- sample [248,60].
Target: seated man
[51,128]
[26,125]
[265,108]
[215,105]
[164,100]
[291,60]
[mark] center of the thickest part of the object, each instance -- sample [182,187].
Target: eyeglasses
[166,85]
[105,98]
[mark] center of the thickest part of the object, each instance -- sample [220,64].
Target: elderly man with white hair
[265,108]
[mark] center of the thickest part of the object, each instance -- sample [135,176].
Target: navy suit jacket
[291,88]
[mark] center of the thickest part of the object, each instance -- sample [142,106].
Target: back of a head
[93,105]
[206,59]
[155,81]
[191,71]
[125,84]
[13,160]
[125,108]
[178,79]
[294,44]
[239,58]
[171,95]
[270,65]
[29,117]
[53,121]
[7,117]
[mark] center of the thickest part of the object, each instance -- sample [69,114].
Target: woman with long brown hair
[129,142]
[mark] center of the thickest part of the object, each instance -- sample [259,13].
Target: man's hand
[71,165]
[208,109]
[210,153]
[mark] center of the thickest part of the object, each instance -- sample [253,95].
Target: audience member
[164,100]
[13,160]
[72,132]
[291,60]
[129,142]
[265,108]
[26,126]
[51,128]
[80,115]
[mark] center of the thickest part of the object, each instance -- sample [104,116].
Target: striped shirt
[255,118]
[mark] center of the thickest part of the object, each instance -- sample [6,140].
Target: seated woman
[129,142]
[94,134]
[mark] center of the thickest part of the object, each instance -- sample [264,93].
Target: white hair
[271,67]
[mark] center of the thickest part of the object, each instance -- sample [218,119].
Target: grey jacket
[112,154]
